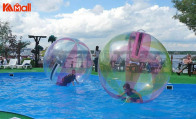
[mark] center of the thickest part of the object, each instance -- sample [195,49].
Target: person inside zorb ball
[134,67]
[67,61]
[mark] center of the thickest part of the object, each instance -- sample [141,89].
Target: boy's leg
[184,67]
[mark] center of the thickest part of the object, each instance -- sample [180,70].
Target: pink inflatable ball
[138,60]
[66,55]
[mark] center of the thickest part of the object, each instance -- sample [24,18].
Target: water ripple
[32,94]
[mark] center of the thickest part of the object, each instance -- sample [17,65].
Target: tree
[8,42]
[15,46]
[36,50]
[39,48]
[12,44]
[187,12]
[4,50]
[4,32]
[51,39]
[19,46]
[44,51]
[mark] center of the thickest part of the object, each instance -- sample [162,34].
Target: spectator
[96,55]
[186,61]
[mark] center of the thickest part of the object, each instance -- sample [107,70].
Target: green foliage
[40,48]
[32,62]
[4,31]
[187,12]
[4,50]
[43,52]
[8,42]
[52,38]
[33,51]
[182,52]
[21,44]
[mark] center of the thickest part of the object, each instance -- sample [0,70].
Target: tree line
[11,45]
[182,52]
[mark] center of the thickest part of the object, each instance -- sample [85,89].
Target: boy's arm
[122,94]
[185,61]
[141,100]
[190,61]
[77,81]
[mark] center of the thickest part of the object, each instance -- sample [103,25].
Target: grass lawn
[21,70]
[10,115]
[182,79]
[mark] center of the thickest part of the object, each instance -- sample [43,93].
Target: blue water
[32,94]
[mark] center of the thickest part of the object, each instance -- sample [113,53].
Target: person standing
[187,61]
[96,55]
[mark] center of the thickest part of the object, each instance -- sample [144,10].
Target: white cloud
[97,26]
[98,9]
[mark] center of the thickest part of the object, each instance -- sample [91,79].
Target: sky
[96,22]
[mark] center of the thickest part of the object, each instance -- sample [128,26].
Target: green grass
[182,79]
[94,73]
[9,115]
[21,70]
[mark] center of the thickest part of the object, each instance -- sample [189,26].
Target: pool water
[33,95]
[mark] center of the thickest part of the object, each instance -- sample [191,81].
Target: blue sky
[95,22]
[74,5]
[107,4]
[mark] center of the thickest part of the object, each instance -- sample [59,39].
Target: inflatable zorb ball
[66,55]
[136,59]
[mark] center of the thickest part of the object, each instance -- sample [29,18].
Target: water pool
[32,94]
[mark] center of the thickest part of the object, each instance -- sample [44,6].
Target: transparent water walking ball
[136,59]
[66,55]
